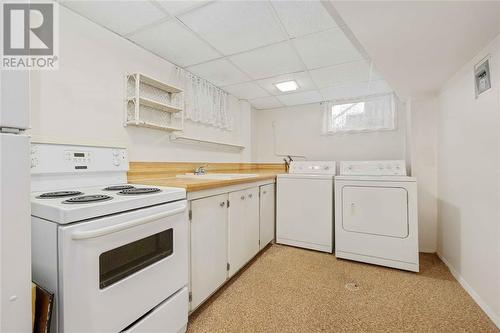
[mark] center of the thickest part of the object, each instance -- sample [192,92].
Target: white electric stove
[81,203]
[114,254]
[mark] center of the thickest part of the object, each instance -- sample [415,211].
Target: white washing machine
[304,212]
[376,214]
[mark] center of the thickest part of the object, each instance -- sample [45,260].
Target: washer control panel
[313,167]
[373,168]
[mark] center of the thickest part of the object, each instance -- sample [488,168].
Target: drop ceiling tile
[175,7]
[246,90]
[302,78]
[326,48]
[304,97]
[341,75]
[220,72]
[235,26]
[269,102]
[269,61]
[175,43]
[356,90]
[303,17]
[121,17]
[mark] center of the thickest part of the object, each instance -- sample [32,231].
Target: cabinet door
[243,227]
[252,222]
[267,214]
[208,246]
[237,251]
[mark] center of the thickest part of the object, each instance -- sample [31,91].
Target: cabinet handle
[250,196]
[242,197]
[222,204]
[264,192]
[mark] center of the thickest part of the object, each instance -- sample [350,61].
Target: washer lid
[377,178]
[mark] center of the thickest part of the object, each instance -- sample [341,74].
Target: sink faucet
[200,170]
[288,159]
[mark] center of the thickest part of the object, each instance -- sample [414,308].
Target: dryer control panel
[313,167]
[373,168]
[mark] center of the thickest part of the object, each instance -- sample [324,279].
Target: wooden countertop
[164,174]
[192,185]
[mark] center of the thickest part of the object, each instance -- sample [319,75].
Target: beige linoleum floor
[294,290]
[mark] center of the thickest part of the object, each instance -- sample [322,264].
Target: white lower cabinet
[208,246]
[267,214]
[226,230]
[243,227]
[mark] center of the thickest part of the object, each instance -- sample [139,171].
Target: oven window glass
[117,264]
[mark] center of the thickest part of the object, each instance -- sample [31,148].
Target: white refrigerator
[15,214]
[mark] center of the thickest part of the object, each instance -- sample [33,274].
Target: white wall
[83,101]
[423,152]
[469,182]
[298,132]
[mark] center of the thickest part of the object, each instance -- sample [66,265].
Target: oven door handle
[127,225]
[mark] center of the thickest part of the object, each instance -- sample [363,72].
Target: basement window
[371,113]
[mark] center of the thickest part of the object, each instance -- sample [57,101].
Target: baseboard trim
[475,296]
[425,250]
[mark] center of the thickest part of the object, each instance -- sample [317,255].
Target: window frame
[329,114]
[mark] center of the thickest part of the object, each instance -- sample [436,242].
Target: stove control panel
[373,168]
[57,158]
[313,167]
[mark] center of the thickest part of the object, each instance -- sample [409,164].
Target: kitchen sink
[221,176]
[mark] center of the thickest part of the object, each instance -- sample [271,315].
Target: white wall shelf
[196,141]
[154,126]
[157,105]
[153,104]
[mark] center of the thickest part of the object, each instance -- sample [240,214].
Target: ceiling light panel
[303,17]
[220,72]
[299,98]
[175,43]
[341,75]
[326,48]
[269,61]
[302,78]
[235,26]
[270,102]
[287,86]
[246,90]
[132,14]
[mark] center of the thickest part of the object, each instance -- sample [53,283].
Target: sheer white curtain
[204,102]
[371,113]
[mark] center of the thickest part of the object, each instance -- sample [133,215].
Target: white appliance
[376,214]
[114,254]
[15,272]
[304,204]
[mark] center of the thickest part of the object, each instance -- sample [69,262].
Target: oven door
[113,270]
